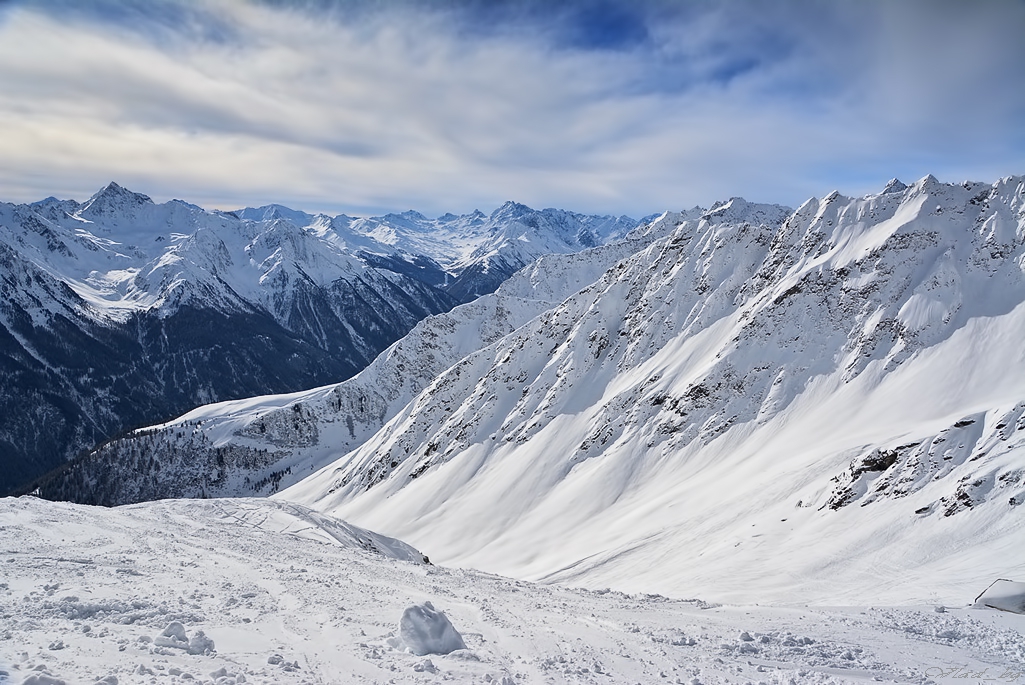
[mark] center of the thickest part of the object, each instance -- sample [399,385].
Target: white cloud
[399,109]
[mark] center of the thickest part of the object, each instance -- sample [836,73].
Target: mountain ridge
[831,384]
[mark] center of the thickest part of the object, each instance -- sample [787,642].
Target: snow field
[88,593]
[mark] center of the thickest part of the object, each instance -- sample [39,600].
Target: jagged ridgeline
[119,312]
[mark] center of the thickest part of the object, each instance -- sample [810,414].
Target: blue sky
[598,106]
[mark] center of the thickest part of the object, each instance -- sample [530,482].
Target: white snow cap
[425,630]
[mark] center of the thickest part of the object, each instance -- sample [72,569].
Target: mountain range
[832,390]
[119,312]
[257,445]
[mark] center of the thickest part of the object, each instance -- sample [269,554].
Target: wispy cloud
[601,106]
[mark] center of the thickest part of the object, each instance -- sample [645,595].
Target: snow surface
[274,595]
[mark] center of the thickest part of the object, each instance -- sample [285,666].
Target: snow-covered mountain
[119,312]
[257,445]
[482,251]
[836,393]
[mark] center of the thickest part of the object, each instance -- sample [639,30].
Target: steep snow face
[832,396]
[258,445]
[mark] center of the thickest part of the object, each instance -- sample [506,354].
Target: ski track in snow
[289,596]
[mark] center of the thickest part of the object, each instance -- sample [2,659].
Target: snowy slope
[257,445]
[266,592]
[839,398]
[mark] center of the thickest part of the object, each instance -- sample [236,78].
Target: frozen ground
[285,595]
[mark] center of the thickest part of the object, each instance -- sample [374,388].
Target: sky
[602,106]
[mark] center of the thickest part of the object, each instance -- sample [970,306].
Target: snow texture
[289,603]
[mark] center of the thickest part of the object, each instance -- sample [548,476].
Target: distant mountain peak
[929,182]
[894,186]
[739,210]
[114,199]
[274,211]
[114,191]
[510,209]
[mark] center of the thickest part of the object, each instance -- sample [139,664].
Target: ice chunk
[425,630]
[425,666]
[175,630]
[173,636]
[1005,595]
[200,643]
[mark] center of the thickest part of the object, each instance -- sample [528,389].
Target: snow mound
[1005,595]
[425,630]
[174,636]
[41,679]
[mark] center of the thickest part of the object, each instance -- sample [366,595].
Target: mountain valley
[119,312]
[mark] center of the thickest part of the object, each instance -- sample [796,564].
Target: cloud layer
[622,107]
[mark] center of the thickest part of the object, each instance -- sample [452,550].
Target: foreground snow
[270,592]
